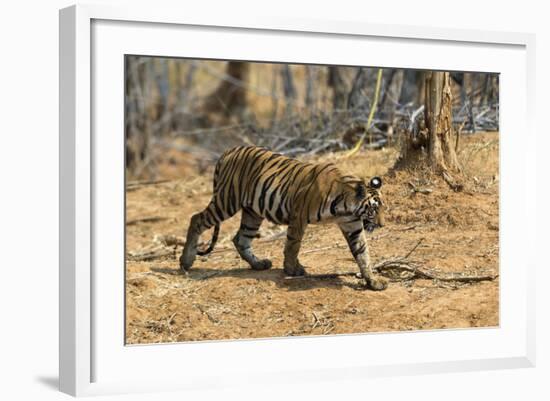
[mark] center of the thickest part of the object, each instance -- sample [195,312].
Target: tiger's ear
[375,182]
[361,191]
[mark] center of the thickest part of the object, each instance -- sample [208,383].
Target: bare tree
[355,98]
[141,112]
[390,99]
[409,89]
[467,95]
[288,88]
[420,87]
[310,74]
[185,81]
[434,146]
[229,98]
[339,89]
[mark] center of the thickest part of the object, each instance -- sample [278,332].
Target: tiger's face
[371,208]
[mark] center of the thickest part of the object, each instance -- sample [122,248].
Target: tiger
[285,191]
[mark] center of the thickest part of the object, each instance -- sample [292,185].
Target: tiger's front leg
[294,235]
[355,237]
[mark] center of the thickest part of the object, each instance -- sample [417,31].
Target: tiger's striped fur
[267,185]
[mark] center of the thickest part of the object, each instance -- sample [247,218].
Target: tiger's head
[370,208]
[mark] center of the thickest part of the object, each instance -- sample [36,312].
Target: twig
[415,189]
[459,132]
[316,321]
[208,315]
[150,255]
[328,329]
[415,114]
[133,184]
[407,228]
[323,276]
[152,219]
[169,240]
[414,249]
[325,248]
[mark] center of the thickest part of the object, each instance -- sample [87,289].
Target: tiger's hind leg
[250,223]
[196,228]
[200,222]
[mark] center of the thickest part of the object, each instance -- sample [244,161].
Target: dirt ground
[221,298]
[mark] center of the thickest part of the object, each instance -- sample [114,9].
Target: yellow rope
[371,115]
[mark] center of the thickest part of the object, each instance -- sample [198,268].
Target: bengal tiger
[268,185]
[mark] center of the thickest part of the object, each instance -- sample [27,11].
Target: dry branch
[419,190]
[150,255]
[134,184]
[152,219]
[413,249]
[169,240]
[402,269]
[323,276]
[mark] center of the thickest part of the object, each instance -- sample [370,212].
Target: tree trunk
[438,115]
[274,99]
[288,89]
[309,81]
[338,85]
[391,99]
[140,114]
[438,138]
[421,87]
[467,84]
[229,98]
[185,82]
[355,97]
[409,88]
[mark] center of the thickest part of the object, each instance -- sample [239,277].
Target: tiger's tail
[212,242]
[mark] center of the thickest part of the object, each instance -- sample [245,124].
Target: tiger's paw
[263,264]
[295,271]
[187,258]
[377,284]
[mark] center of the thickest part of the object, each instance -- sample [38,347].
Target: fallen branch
[169,240]
[324,276]
[152,219]
[415,114]
[397,269]
[402,269]
[134,184]
[150,255]
[419,190]
[454,184]
[394,269]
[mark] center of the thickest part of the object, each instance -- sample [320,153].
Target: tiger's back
[275,186]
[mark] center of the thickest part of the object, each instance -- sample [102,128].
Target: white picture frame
[91,360]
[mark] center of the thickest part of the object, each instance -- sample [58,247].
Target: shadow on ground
[275,275]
